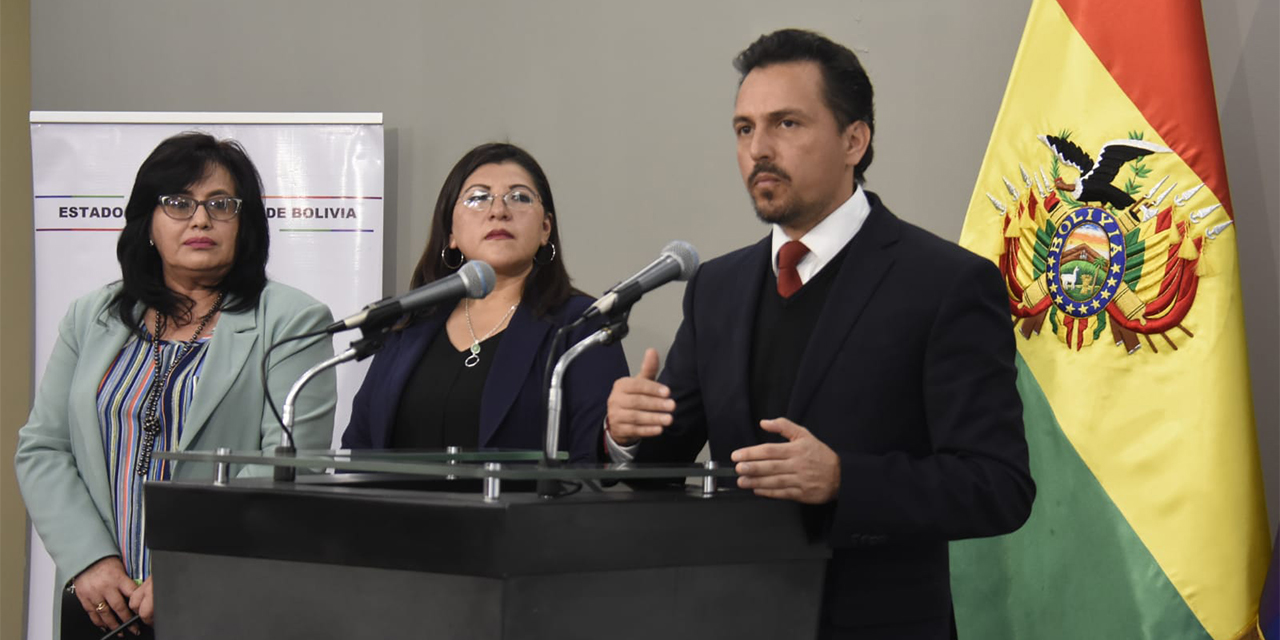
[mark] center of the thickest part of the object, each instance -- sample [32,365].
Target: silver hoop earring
[548,260]
[445,260]
[151,242]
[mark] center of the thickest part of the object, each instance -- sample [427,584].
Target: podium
[444,546]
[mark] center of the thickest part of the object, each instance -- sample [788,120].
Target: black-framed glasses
[517,200]
[221,208]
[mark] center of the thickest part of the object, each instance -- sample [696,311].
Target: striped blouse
[122,399]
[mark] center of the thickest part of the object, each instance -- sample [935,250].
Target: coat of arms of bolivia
[1098,246]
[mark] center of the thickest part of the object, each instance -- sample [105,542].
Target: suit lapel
[405,354]
[229,349]
[737,352]
[511,366]
[865,264]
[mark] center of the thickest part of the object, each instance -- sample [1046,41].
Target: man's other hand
[803,468]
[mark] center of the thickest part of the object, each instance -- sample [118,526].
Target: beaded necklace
[150,420]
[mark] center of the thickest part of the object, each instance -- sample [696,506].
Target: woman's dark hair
[548,285]
[846,87]
[177,164]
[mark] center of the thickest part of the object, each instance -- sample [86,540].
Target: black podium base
[327,558]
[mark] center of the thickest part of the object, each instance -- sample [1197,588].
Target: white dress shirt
[825,240]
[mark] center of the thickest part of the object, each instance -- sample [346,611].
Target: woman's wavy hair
[548,285]
[173,167]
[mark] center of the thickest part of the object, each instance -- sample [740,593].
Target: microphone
[677,261]
[474,280]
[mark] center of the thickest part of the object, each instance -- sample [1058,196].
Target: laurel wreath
[1139,168]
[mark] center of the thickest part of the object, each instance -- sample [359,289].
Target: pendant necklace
[474,358]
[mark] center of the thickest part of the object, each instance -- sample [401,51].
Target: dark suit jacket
[512,414]
[909,376]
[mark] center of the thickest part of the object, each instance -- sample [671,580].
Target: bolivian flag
[1103,199]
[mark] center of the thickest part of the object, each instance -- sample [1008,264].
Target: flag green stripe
[1131,239]
[1076,569]
[1135,255]
[1044,237]
[1131,278]
[1100,325]
[1133,262]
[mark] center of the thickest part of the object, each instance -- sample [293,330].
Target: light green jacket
[60,461]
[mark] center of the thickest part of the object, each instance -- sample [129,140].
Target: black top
[440,405]
[783,327]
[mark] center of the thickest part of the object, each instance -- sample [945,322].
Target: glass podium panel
[501,464]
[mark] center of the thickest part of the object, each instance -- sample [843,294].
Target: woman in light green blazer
[193,260]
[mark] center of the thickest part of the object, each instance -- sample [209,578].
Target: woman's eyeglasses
[221,208]
[518,200]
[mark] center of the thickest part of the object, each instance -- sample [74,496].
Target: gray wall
[627,106]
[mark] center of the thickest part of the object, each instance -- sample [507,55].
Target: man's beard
[782,212]
[779,213]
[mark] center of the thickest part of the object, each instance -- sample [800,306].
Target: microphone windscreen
[685,255]
[478,277]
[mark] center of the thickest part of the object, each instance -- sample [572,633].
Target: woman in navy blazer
[471,374]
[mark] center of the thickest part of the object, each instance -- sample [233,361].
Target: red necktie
[788,257]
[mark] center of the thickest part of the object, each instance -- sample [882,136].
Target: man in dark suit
[850,361]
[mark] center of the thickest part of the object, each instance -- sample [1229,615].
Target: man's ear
[857,137]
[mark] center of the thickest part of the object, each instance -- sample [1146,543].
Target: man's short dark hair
[846,87]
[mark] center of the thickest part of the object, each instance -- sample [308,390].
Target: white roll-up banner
[322,176]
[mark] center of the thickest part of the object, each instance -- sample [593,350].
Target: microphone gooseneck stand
[615,330]
[359,350]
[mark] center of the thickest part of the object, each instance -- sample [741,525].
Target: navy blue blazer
[511,415]
[909,376]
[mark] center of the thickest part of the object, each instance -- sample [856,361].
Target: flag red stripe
[1158,54]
